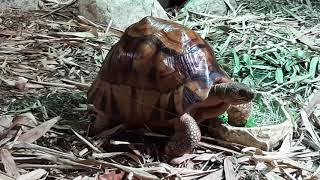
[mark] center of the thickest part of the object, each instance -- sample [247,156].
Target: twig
[50,166]
[86,141]
[54,84]
[218,147]
[78,84]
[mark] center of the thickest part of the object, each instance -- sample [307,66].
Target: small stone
[19,4]
[122,13]
[217,7]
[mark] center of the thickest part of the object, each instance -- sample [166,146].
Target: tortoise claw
[187,136]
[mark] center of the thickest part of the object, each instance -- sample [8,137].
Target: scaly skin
[187,136]
[239,114]
[239,96]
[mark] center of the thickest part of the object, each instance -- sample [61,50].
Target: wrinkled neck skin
[210,108]
[216,104]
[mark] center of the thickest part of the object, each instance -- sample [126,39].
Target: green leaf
[225,45]
[223,118]
[251,122]
[299,78]
[313,66]
[301,54]
[236,62]
[264,67]
[279,76]
[248,81]
[288,65]
[248,62]
[264,77]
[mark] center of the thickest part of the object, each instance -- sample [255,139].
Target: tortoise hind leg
[187,136]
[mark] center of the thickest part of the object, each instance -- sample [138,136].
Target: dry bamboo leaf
[33,175]
[5,176]
[312,104]
[204,157]
[218,148]
[8,163]
[182,159]
[286,144]
[5,123]
[26,119]
[139,172]
[316,173]
[106,155]
[294,15]
[229,172]
[214,175]
[296,164]
[37,132]
[273,176]
[310,128]
[24,145]
[78,34]
[83,178]
[287,173]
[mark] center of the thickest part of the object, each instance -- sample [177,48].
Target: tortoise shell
[157,71]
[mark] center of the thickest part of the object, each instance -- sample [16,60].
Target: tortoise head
[233,92]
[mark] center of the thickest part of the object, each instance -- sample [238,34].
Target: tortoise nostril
[246,94]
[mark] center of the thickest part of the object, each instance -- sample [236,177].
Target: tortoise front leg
[239,114]
[187,136]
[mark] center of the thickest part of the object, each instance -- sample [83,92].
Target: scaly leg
[187,136]
[239,114]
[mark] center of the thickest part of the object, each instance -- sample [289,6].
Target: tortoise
[163,75]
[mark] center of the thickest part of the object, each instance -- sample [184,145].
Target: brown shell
[157,68]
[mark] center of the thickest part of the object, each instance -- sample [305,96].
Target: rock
[216,7]
[164,3]
[19,4]
[122,13]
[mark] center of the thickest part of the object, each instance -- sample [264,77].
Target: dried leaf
[79,34]
[5,123]
[216,175]
[8,163]
[312,103]
[37,132]
[33,175]
[182,159]
[273,176]
[204,157]
[5,176]
[229,171]
[310,129]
